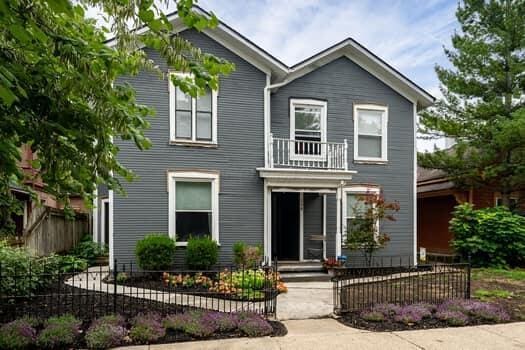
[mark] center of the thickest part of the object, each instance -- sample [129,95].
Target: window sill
[371,161]
[188,143]
[185,244]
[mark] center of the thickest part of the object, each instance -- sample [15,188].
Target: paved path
[329,334]
[305,300]
[93,280]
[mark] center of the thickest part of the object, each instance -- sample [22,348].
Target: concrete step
[305,277]
[300,267]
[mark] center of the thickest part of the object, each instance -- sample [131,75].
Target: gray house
[276,156]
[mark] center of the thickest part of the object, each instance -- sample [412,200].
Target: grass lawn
[506,287]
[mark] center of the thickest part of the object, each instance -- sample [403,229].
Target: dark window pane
[194,224]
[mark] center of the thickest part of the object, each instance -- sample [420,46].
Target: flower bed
[245,285]
[451,313]
[66,331]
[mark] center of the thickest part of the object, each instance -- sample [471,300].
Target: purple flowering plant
[146,328]
[253,325]
[18,334]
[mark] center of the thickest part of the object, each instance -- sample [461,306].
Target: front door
[285,225]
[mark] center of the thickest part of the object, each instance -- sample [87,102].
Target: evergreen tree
[483,107]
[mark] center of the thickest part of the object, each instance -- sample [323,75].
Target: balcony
[315,155]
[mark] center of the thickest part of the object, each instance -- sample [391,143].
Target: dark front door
[285,225]
[106,222]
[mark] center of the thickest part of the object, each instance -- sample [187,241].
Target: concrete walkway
[305,300]
[329,334]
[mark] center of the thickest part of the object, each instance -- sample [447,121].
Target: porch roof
[305,178]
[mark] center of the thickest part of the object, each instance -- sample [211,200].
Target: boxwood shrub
[201,253]
[155,252]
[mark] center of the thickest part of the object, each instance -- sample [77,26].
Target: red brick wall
[433,216]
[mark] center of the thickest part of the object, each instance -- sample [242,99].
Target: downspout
[267,114]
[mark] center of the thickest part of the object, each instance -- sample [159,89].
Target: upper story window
[193,205]
[307,127]
[192,120]
[370,132]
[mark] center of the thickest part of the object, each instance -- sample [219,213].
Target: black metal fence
[128,291]
[357,288]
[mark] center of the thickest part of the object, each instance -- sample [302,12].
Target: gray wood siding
[342,83]
[240,151]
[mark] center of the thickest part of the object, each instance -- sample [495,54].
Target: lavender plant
[411,314]
[17,335]
[199,324]
[175,322]
[373,316]
[59,332]
[106,332]
[386,309]
[453,318]
[146,328]
[253,325]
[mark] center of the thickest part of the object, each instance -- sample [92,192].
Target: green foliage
[70,263]
[155,252]
[364,233]
[491,236]
[494,273]
[59,332]
[57,91]
[201,253]
[245,255]
[89,250]
[17,335]
[482,108]
[487,295]
[21,271]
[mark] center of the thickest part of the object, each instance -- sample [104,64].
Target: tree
[364,232]
[57,91]
[483,107]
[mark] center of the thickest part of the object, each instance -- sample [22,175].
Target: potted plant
[331,264]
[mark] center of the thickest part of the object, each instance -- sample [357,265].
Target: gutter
[267,113]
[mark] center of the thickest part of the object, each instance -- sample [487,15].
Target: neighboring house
[42,226]
[275,157]
[436,198]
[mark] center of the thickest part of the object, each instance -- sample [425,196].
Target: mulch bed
[354,320]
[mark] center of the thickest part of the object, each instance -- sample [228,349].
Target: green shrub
[89,250]
[17,335]
[146,328]
[65,263]
[491,236]
[201,253]
[21,271]
[59,332]
[155,252]
[245,255]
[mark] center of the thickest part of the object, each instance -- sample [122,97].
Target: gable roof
[283,74]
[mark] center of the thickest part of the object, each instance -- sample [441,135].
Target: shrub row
[455,312]
[111,331]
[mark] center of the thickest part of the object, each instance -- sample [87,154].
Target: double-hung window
[193,205]
[370,133]
[354,207]
[307,128]
[192,120]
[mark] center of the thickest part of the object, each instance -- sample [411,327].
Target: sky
[408,34]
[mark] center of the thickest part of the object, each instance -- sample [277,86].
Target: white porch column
[267,222]
[338,218]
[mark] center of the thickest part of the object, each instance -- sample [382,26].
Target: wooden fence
[49,231]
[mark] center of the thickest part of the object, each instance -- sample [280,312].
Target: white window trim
[193,176]
[214,100]
[357,190]
[318,103]
[497,196]
[384,136]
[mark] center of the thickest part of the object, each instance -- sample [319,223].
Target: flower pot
[102,260]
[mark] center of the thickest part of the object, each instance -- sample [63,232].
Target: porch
[303,213]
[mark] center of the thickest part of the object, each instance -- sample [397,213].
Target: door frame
[268,217]
[103,219]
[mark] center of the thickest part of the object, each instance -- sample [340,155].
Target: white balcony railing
[286,153]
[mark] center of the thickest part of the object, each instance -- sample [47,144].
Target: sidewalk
[329,334]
